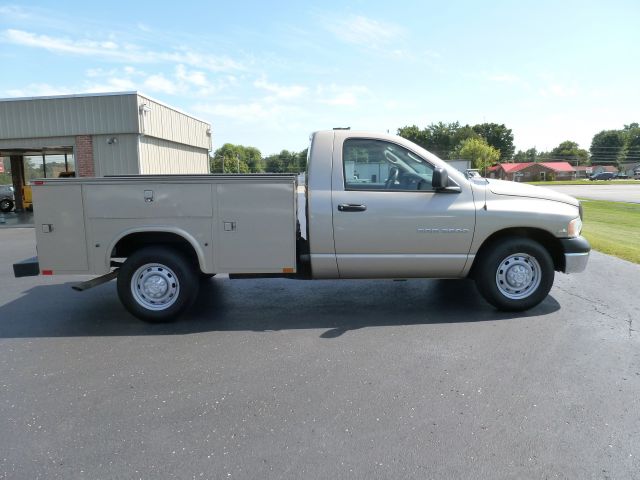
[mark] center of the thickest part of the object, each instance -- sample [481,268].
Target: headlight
[575,227]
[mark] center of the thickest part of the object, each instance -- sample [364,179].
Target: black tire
[6,205]
[514,274]
[165,282]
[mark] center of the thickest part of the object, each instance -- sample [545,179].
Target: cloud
[280,91]
[111,50]
[365,32]
[86,47]
[239,111]
[14,12]
[112,84]
[380,38]
[98,80]
[558,91]
[38,90]
[338,95]
[503,78]
[159,83]
[193,77]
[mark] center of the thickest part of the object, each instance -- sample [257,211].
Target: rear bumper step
[26,268]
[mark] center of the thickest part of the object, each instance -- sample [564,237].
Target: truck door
[387,219]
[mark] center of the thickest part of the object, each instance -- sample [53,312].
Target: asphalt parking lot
[329,379]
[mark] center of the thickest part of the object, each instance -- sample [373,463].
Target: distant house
[583,171]
[531,172]
[629,168]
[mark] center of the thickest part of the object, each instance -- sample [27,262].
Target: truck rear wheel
[157,284]
[515,274]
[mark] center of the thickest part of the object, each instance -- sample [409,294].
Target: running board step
[94,282]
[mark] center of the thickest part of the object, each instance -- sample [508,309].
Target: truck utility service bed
[236,224]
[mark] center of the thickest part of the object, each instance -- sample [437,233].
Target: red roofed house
[532,172]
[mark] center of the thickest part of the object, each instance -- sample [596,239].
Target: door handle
[351,207]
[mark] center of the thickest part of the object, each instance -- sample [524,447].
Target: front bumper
[576,254]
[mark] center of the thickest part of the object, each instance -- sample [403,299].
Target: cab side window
[385,166]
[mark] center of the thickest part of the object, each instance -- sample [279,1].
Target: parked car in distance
[7,200]
[602,176]
[621,176]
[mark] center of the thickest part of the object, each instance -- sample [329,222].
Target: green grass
[613,228]
[587,182]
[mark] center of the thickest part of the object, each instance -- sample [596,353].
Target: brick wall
[84,156]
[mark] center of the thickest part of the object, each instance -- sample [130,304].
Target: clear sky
[267,73]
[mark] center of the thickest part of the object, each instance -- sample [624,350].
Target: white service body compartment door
[148,201]
[255,228]
[60,228]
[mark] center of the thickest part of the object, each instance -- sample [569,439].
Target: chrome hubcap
[155,286]
[518,276]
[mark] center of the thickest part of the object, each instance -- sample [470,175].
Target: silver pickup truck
[374,206]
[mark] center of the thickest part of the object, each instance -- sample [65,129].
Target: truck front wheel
[514,274]
[157,284]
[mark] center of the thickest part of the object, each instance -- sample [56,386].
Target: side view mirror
[440,179]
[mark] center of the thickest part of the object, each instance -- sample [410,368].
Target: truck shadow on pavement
[338,306]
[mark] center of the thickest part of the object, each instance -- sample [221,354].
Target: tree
[481,154]
[607,147]
[274,164]
[530,155]
[632,143]
[230,158]
[571,152]
[302,160]
[440,138]
[415,135]
[237,159]
[544,157]
[253,158]
[499,137]
[287,162]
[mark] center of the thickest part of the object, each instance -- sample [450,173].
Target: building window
[48,166]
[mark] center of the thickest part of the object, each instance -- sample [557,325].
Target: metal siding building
[131,133]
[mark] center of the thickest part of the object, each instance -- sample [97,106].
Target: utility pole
[238,162]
